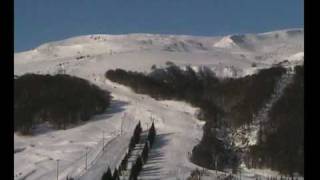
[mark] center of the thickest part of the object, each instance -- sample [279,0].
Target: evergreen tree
[124,162]
[132,144]
[145,152]
[137,132]
[139,165]
[136,137]
[104,176]
[151,134]
[107,175]
[133,173]
[136,168]
[116,175]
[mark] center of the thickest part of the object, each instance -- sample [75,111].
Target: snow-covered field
[178,129]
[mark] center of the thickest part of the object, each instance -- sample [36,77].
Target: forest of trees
[282,147]
[224,102]
[61,100]
[239,98]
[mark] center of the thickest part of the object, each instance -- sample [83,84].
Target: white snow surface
[231,55]
[178,131]
[90,56]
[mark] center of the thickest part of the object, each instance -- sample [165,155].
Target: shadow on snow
[152,169]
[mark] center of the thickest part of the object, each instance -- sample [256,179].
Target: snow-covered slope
[179,131]
[232,55]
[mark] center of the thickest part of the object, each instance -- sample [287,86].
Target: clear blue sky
[40,21]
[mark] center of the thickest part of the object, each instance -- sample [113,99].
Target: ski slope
[171,125]
[178,130]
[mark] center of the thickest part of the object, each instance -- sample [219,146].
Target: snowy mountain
[231,55]
[90,56]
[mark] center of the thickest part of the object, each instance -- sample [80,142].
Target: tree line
[141,159]
[61,100]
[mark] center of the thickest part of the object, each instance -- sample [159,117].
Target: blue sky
[40,21]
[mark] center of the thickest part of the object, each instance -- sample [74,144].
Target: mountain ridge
[260,50]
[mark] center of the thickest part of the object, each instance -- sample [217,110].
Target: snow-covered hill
[232,55]
[89,57]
